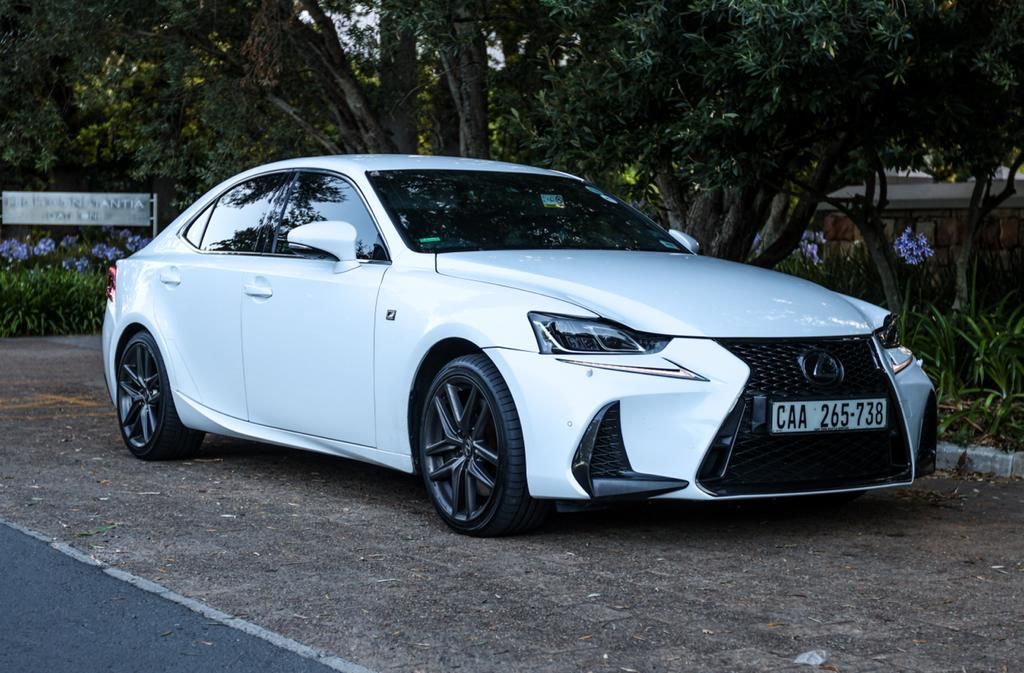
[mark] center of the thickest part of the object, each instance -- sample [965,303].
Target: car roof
[364,163]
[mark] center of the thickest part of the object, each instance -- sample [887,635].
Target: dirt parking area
[351,558]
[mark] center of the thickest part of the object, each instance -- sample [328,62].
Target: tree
[703,99]
[978,89]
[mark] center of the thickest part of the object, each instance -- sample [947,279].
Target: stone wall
[1003,232]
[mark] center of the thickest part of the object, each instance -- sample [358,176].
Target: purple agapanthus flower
[14,251]
[107,253]
[44,247]
[135,243]
[912,248]
[124,234]
[79,264]
[69,241]
[811,243]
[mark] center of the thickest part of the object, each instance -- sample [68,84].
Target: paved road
[350,558]
[60,615]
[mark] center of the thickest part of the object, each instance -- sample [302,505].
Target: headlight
[565,334]
[889,333]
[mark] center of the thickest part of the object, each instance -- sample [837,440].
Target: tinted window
[317,197]
[444,211]
[242,218]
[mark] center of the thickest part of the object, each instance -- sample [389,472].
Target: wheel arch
[436,357]
[134,323]
[130,330]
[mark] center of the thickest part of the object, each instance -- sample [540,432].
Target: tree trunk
[673,196]
[788,236]
[981,206]
[465,67]
[868,218]
[398,83]
[775,223]
[880,249]
[724,220]
[964,252]
[444,119]
[339,69]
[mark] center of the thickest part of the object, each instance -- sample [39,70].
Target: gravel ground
[351,558]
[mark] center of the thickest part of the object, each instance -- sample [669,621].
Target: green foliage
[977,359]
[50,301]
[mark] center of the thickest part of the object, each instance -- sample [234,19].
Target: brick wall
[1003,232]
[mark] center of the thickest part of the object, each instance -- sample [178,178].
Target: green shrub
[49,301]
[51,286]
[976,358]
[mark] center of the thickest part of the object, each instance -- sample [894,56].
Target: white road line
[320,656]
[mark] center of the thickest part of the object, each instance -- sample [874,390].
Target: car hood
[668,293]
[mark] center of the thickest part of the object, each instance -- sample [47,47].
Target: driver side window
[319,197]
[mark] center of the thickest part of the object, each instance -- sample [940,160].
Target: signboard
[78,209]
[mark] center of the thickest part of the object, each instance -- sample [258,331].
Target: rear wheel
[471,452]
[146,415]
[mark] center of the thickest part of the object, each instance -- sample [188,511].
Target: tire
[149,423]
[470,452]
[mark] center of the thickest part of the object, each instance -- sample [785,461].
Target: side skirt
[198,417]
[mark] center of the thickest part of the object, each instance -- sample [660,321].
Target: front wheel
[471,452]
[146,415]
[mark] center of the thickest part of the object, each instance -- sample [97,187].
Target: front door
[307,332]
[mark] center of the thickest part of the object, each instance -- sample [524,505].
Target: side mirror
[685,240]
[333,237]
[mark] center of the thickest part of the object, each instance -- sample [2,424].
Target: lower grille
[745,459]
[602,468]
[609,454]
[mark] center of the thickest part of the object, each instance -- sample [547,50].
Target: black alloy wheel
[139,396]
[461,453]
[471,452]
[146,414]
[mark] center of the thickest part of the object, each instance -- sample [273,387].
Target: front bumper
[668,426]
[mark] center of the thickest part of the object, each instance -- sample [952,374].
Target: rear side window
[243,218]
[318,197]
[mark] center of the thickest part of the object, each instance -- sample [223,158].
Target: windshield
[448,211]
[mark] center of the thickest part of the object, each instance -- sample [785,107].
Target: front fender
[874,315]
[427,308]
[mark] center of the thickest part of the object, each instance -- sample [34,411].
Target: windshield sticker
[552,200]
[430,239]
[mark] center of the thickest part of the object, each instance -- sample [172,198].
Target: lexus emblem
[821,368]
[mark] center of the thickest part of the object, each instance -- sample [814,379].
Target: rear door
[204,288]
[307,332]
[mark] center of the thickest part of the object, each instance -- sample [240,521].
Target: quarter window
[242,220]
[318,197]
[194,233]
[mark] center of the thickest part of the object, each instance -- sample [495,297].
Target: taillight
[111,281]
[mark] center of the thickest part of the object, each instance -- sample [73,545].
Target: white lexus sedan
[515,335]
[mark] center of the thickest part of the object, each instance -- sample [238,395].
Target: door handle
[170,276]
[259,290]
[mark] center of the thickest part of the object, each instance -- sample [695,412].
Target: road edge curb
[984,460]
[320,656]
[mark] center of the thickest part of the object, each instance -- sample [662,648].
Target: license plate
[828,415]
